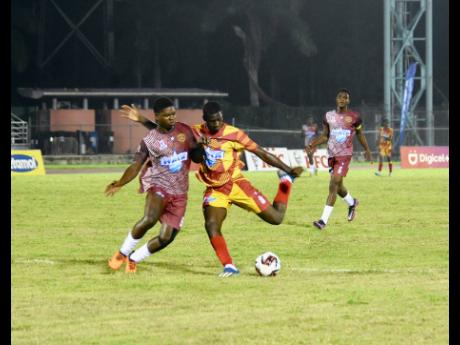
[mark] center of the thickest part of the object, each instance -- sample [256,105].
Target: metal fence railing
[19,131]
[124,139]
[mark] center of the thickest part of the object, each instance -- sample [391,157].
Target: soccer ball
[268,264]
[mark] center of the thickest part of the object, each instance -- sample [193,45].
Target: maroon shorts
[175,205]
[339,165]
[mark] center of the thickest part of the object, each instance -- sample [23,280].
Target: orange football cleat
[131,266]
[117,260]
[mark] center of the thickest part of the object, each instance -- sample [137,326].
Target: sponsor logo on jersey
[340,134]
[174,162]
[208,199]
[212,156]
[23,163]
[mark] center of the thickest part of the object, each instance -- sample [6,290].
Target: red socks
[284,189]
[390,166]
[380,166]
[220,247]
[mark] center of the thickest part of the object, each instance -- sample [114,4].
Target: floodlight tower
[46,13]
[403,34]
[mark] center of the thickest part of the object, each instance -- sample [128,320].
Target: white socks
[286,178]
[129,244]
[312,169]
[349,200]
[328,209]
[141,254]
[326,213]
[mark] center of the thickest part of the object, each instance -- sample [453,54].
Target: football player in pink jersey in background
[164,156]
[339,128]
[310,132]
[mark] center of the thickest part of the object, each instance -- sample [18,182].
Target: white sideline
[295,269]
[35,261]
[356,270]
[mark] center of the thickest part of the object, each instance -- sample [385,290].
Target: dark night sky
[348,35]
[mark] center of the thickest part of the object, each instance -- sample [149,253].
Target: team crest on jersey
[180,137]
[348,119]
[213,142]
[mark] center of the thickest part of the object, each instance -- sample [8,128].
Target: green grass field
[382,279]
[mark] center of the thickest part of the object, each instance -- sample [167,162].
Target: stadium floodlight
[403,26]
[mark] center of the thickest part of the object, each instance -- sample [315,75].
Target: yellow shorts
[385,150]
[239,192]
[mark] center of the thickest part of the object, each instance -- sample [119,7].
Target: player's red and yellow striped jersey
[385,137]
[222,162]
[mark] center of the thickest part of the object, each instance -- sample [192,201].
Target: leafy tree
[256,24]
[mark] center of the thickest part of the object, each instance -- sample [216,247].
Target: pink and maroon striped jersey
[342,129]
[169,161]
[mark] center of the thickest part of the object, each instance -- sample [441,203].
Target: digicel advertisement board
[424,156]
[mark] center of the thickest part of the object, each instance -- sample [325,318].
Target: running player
[164,157]
[339,128]
[310,132]
[226,185]
[385,141]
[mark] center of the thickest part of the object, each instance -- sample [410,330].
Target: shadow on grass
[145,265]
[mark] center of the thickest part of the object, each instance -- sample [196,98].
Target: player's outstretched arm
[321,139]
[197,153]
[271,159]
[133,114]
[363,141]
[129,174]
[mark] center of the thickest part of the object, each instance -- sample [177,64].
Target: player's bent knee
[212,224]
[166,239]
[148,222]
[272,218]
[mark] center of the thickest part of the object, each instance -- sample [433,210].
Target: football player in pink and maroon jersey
[163,156]
[310,132]
[339,127]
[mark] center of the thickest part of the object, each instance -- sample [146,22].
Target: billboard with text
[424,156]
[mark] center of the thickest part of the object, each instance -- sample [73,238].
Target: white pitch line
[35,261]
[355,270]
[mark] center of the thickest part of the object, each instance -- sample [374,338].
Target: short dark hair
[210,108]
[344,90]
[162,103]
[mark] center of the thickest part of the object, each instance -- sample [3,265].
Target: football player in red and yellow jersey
[385,142]
[220,171]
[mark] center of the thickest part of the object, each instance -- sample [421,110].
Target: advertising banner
[254,163]
[300,158]
[290,157]
[424,156]
[27,162]
[408,88]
